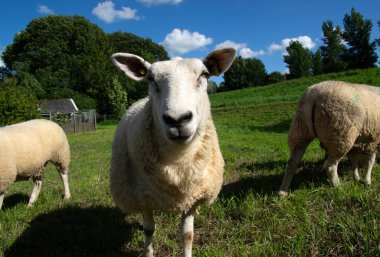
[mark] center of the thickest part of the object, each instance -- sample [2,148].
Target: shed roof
[59,105]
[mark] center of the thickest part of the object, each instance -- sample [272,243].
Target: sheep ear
[132,65]
[218,61]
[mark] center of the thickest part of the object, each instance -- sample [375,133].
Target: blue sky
[192,28]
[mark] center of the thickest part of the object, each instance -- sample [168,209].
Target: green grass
[290,90]
[248,219]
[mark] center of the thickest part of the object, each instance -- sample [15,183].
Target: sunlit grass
[248,219]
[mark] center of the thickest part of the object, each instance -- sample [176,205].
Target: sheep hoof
[66,197]
[147,253]
[282,193]
[335,183]
[367,183]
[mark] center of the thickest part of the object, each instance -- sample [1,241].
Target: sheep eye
[205,75]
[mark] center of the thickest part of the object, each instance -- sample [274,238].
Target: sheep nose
[181,121]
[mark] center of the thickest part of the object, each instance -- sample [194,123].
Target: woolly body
[165,154]
[151,175]
[343,116]
[25,150]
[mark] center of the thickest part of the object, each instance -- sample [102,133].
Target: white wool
[345,119]
[165,154]
[25,150]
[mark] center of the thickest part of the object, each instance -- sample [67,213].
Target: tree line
[342,49]
[69,57]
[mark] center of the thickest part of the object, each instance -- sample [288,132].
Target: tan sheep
[165,154]
[344,117]
[25,150]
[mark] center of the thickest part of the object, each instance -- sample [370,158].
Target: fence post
[74,122]
[94,115]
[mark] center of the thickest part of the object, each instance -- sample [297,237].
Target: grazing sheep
[25,150]
[344,117]
[165,154]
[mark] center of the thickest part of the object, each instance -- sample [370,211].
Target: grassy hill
[248,219]
[290,90]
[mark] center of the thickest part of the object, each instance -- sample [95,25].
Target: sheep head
[177,89]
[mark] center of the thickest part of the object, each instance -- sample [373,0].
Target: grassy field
[248,219]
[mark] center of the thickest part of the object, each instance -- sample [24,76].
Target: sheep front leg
[148,226]
[36,190]
[187,231]
[370,163]
[1,199]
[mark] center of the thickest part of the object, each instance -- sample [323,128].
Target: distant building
[64,106]
[66,114]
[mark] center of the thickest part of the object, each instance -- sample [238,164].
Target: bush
[116,98]
[16,105]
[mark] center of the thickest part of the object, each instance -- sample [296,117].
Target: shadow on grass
[280,127]
[74,231]
[255,180]
[14,199]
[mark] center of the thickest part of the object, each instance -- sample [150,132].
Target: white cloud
[241,48]
[183,41]
[248,53]
[106,12]
[306,41]
[44,9]
[229,43]
[158,2]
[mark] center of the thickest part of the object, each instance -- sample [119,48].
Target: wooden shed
[64,106]
[66,114]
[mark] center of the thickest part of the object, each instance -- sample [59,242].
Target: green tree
[245,72]
[30,84]
[69,56]
[222,87]
[146,48]
[232,77]
[61,52]
[275,77]
[361,53]
[5,73]
[298,60]
[212,87]
[317,63]
[255,73]
[333,50]
[82,101]
[378,40]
